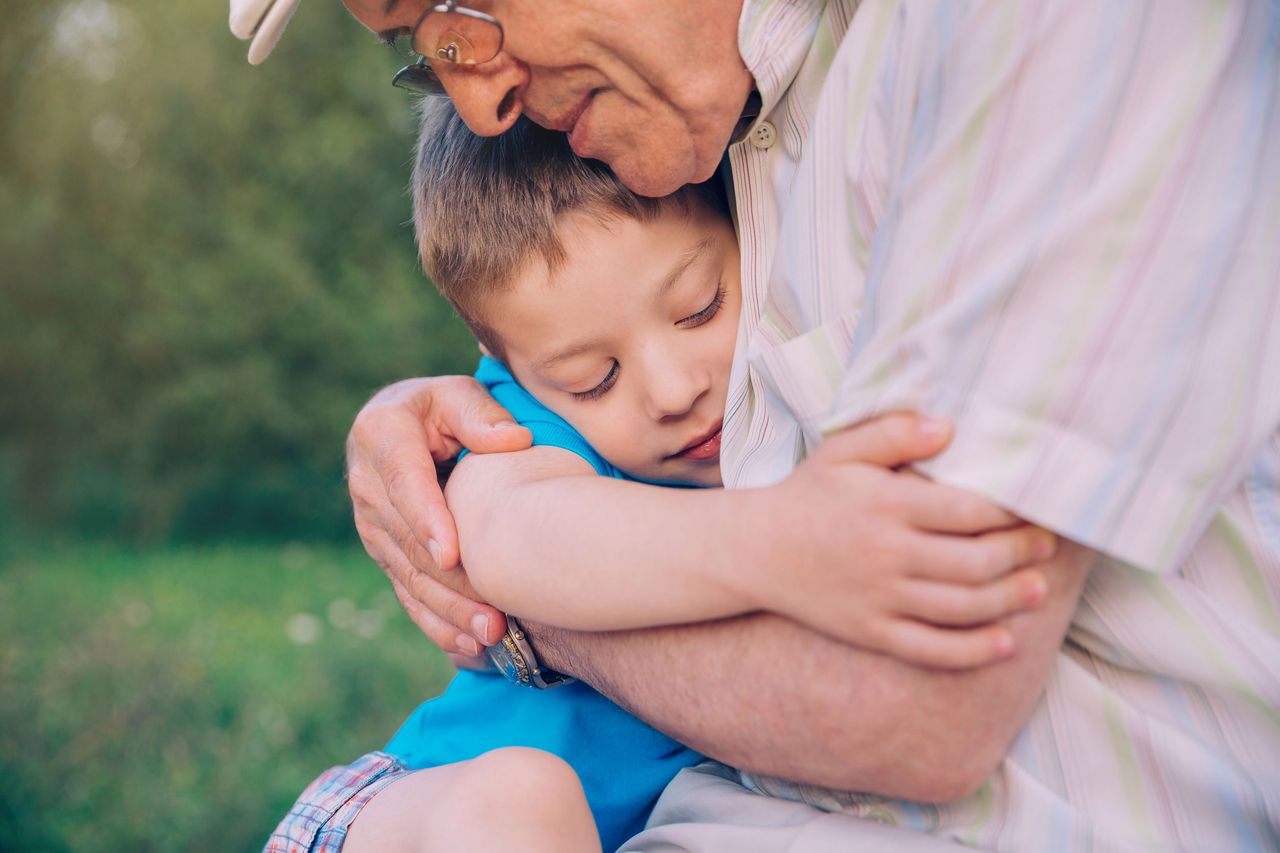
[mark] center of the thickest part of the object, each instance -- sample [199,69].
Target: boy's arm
[837,546]
[769,696]
[546,538]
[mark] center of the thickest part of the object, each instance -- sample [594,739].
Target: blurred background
[205,269]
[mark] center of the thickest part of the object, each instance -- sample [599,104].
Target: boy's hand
[889,561]
[400,511]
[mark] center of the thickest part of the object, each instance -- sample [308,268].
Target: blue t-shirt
[623,763]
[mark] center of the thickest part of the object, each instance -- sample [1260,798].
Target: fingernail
[1045,545]
[436,552]
[480,624]
[932,427]
[1037,590]
[502,425]
[467,645]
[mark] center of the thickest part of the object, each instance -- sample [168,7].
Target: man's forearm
[764,694]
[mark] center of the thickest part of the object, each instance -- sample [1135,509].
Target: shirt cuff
[1108,499]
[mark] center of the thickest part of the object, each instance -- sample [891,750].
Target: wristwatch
[515,658]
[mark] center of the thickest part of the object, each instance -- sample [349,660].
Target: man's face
[631,339]
[654,89]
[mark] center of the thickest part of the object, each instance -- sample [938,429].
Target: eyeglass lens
[457,37]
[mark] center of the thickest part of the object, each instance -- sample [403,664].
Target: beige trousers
[705,810]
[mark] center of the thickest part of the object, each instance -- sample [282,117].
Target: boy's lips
[702,448]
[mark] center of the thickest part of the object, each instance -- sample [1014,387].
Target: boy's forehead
[616,252]
[609,266]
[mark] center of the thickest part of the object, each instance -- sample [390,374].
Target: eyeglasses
[448,32]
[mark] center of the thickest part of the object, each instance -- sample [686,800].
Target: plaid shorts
[319,820]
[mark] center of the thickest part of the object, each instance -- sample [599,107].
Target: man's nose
[489,97]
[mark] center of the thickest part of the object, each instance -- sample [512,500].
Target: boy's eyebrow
[687,261]
[565,355]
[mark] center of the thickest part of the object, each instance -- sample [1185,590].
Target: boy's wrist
[760,552]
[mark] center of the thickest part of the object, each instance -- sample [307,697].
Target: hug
[876,443]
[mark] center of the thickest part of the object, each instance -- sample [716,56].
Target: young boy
[609,323]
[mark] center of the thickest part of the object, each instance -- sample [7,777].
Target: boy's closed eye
[599,390]
[713,308]
[694,320]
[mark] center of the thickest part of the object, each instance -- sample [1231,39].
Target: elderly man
[1054,223]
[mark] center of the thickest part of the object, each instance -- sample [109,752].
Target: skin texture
[652,89]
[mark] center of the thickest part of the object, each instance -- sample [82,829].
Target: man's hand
[890,562]
[400,511]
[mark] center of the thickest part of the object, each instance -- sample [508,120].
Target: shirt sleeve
[1076,256]
[548,428]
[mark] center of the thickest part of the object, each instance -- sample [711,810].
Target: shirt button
[763,135]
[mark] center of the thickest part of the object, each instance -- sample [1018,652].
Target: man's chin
[653,178]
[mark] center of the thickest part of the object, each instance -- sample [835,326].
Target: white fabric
[1057,223]
[704,810]
[264,21]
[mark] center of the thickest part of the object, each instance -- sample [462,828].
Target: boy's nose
[674,389]
[489,97]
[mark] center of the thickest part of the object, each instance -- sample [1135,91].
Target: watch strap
[515,658]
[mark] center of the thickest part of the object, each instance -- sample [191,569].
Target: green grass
[180,699]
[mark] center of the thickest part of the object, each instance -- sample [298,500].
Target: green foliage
[181,699]
[206,269]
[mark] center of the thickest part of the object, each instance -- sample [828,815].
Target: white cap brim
[263,21]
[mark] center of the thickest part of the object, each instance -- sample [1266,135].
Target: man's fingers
[444,635]
[958,606]
[887,441]
[402,432]
[391,471]
[947,509]
[944,648]
[414,493]
[470,621]
[475,419]
[979,559]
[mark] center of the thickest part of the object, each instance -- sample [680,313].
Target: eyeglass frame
[419,77]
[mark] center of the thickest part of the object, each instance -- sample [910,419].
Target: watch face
[516,660]
[510,662]
[501,658]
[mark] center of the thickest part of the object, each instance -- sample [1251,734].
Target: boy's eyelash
[598,391]
[707,313]
[692,321]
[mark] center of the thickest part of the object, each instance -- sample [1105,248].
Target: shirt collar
[750,112]
[774,37]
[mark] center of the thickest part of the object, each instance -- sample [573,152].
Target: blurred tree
[205,268]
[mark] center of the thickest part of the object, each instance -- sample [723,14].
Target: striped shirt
[1058,224]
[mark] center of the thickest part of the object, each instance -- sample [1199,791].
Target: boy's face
[631,339]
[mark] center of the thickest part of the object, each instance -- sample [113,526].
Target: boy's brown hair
[483,206]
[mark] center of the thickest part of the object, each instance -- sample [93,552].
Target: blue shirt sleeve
[548,428]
